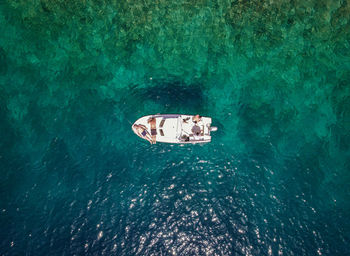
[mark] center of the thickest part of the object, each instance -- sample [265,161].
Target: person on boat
[196,118]
[196,130]
[141,130]
[152,122]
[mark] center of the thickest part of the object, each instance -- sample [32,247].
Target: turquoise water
[273,75]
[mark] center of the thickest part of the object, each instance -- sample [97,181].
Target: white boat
[174,128]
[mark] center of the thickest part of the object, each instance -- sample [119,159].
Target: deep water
[274,76]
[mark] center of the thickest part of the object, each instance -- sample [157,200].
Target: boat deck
[177,128]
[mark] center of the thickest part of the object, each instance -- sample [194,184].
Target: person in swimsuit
[141,130]
[196,118]
[152,122]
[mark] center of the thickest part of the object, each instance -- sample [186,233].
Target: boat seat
[162,123]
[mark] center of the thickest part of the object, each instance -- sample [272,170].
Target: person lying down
[141,130]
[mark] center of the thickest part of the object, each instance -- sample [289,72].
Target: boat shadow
[175,95]
[163,96]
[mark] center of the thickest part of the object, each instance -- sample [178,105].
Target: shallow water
[274,75]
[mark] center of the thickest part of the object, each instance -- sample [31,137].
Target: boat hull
[176,128]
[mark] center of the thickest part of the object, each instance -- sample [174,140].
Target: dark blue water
[274,76]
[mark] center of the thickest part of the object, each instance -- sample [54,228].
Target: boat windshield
[179,127]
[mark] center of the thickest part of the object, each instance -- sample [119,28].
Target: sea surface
[273,74]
